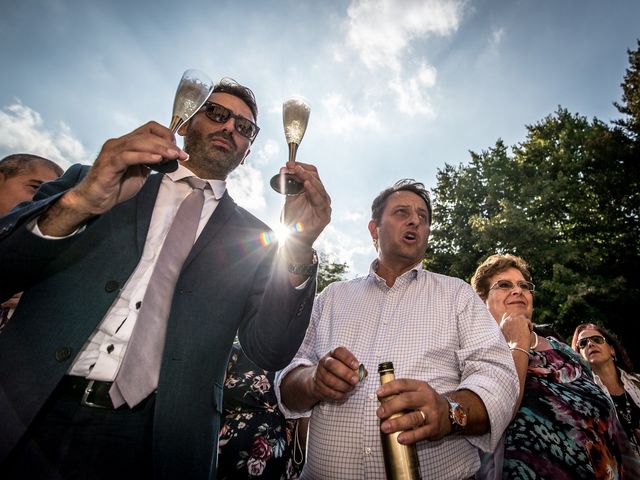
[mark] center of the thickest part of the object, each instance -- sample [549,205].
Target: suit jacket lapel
[218,219]
[146,200]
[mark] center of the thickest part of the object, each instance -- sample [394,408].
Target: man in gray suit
[84,251]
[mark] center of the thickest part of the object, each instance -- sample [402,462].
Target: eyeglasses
[219,114]
[509,285]
[598,339]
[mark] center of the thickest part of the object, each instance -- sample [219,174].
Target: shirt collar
[413,270]
[218,187]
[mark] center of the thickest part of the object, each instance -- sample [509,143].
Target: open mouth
[410,236]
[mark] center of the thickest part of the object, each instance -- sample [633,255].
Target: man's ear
[182,131]
[373,229]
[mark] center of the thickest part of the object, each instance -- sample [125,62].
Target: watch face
[459,416]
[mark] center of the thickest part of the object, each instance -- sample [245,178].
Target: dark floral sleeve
[255,439]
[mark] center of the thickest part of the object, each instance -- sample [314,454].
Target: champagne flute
[193,90]
[295,117]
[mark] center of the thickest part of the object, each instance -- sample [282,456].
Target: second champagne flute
[295,117]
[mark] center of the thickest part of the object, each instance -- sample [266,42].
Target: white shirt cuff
[295,363]
[32,226]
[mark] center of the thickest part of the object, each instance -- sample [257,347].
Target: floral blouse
[566,426]
[255,438]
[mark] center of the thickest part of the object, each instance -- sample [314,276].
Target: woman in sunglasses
[564,425]
[613,371]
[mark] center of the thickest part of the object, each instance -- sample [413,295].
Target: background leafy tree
[630,105]
[329,271]
[567,199]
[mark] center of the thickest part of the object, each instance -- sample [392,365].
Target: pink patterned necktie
[140,370]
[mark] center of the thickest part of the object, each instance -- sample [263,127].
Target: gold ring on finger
[424,417]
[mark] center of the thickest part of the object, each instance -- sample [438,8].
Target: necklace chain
[625,411]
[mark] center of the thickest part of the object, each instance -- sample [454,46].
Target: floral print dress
[566,427]
[255,441]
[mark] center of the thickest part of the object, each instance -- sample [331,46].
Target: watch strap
[306,269]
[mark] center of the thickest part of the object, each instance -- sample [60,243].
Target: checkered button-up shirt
[433,328]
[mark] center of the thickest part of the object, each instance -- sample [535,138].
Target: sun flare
[282,232]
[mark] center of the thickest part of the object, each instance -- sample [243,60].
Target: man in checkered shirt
[456,383]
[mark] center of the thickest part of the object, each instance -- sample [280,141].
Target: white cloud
[381,31]
[270,150]
[246,186]
[126,122]
[246,183]
[493,46]
[22,130]
[496,36]
[386,36]
[354,216]
[341,247]
[341,117]
[411,94]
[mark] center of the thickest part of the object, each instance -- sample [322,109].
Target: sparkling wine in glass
[295,117]
[193,90]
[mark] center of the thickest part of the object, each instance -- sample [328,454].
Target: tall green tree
[567,199]
[329,271]
[630,105]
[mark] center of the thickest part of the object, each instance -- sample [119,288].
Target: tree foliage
[566,199]
[630,105]
[329,271]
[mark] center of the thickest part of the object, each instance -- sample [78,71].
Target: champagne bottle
[400,461]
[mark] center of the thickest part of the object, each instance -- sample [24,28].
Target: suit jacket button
[111,286]
[63,353]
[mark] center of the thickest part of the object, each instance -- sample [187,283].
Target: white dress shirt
[433,328]
[103,352]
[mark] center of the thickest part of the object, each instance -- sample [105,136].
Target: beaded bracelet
[520,350]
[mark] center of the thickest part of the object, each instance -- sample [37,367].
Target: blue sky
[397,88]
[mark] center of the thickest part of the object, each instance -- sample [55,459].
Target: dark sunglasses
[599,339]
[509,285]
[219,114]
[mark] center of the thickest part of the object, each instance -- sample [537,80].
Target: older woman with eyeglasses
[564,425]
[613,371]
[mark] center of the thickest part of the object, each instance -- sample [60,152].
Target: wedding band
[424,417]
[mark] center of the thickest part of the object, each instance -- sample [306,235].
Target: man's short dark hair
[21,163]
[408,185]
[230,86]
